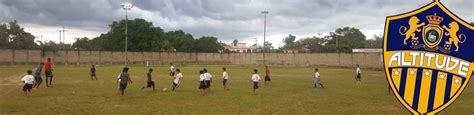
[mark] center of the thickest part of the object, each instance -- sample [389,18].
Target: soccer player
[267,75]
[29,80]
[93,75]
[208,80]
[149,83]
[358,76]
[255,79]
[123,79]
[225,77]
[48,71]
[202,83]
[172,70]
[317,80]
[38,79]
[177,79]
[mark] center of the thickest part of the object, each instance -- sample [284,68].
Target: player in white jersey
[202,83]
[358,74]
[208,80]
[225,77]
[255,79]
[177,79]
[317,78]
[29,80]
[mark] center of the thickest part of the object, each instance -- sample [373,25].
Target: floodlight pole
[264,33]
[126,7]
[126,38]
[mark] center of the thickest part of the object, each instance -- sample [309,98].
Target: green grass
[290,92]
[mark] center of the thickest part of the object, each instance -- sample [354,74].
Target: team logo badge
[428,57]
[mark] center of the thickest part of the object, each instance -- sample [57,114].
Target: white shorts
[317,81]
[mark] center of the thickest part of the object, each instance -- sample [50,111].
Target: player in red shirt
[48,71]
[267,75]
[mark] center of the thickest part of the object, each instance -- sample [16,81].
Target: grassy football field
[290,92]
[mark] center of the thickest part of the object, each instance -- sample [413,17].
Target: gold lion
[452,33]
[410,33]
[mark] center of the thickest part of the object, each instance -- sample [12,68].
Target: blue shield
[428,55]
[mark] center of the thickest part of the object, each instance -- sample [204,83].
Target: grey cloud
[225,19]
[73,13]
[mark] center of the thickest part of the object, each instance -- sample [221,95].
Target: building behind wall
[241,48]
[297,50]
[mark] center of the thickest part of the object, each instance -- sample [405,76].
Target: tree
[4,34]
[235,42]
[51,46]
[269,48]
[315,44]
[14,36]
[208,44]
[166,46]
[183,42]
[377,42]
[83,44]
[268,45]
[341,40]
[47,46]
[142,36]
[289,42]
[345,39]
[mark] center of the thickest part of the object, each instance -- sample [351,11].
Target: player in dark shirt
[38,78]
[150,83]
[93,75]
[123,79]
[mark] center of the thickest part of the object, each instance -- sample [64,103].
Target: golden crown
[434,19]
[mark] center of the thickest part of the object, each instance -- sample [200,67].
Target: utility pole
[63,32]
[64,35]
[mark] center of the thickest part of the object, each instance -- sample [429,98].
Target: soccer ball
[164,89]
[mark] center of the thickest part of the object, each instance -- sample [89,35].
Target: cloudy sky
[225,19]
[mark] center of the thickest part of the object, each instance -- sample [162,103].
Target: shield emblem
[428,57]
[433,35]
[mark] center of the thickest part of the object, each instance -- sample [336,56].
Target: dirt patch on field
[10,83]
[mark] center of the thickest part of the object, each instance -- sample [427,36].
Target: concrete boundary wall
[65,57]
